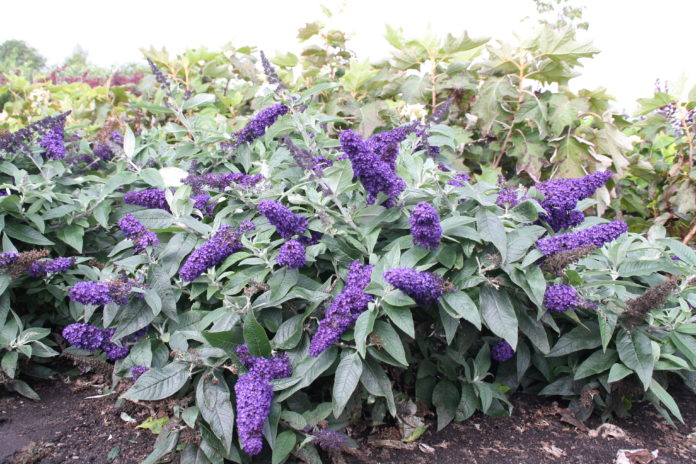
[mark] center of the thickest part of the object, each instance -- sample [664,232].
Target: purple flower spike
[151,198]
[459,179]
[423,287]
[345,309]
[425,226]
[292,255]
[8,258]
[375,174]
[502,351]
[561,298]
[286,222]
[53,142]
[50,266]
[596,235]
[507,197]
[329,439]
[258,125]
[90,293]
[84,336]
[133,229]
[213,252]
[255,396]
[137,371]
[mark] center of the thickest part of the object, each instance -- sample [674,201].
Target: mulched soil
[539,432]
[66,426]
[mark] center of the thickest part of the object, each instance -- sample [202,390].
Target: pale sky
[640,40]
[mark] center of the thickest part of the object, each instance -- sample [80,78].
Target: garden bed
[67,426]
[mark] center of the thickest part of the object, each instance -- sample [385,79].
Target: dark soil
[65,426]
[539,432]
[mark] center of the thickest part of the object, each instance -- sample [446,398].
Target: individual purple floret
[134,230]
[425,226]
[258,125]
[596,235]
[255,395]
[423,287]
[50,266]
[502,351]
[114,351]
[345,309]
[53,142]
[213,252]
[459,179]
[375,174]
[90,293]
[8,258]
[150,198]
[561,298]
[507,198]
[565,193]
[286,222]
[329,439]
[292,255]
[84,336]
[137,371]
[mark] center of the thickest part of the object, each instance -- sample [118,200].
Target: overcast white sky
[640,40]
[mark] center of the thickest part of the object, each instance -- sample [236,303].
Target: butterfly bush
[53,142]
[561,298]
[459,179]
[50,266]
[259,124]
[100,293]
[597,236]
[502,351]
[150,198]
[292,255]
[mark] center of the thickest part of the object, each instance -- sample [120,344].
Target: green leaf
[308,30]
[596,363]
[152,177]
[580,338]
[9,363]
[498,313]
[26,234]
[665,398]
[289,333]
[255,336]
[346,380]
[491,228]
[635,351]
[617,372]
[686,345]
[401,317]
[445,399]
[459,304]
[363,328]
[157,384]
[377,383]
[284,444]
[213,401]
[520,240]
[155,426]
[129,143]
[390,341]
[198,100]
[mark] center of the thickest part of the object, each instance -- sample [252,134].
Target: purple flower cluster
[386,144]
[423,287]
[507,198]
[50,266]
[329,439]
[596,235]
[258,125]
[53,141]
[19,141]
[562,195]
[150,198]
[425,226]
[8,258]
[502,351]
[92,338]
[221,181]
[561,298]
[100,293]
[104,151]
[344,310]
[255,395]
[213,252]
[202,203]
[84,336]
[134,230]
[458,179]
[137,371]
[270,72]
[292,255]
[286,222]
[375,174]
